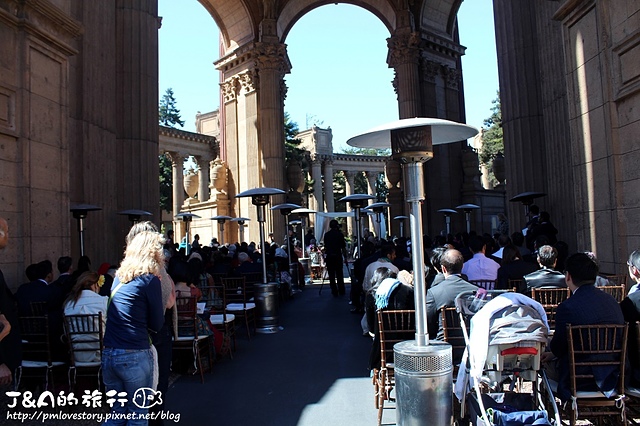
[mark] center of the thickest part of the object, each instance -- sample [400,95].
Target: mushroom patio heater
[221,220]
[186,218]
[241,221]
[467,209]
[135,215]
[80,212]
[378,209]
[285,210]
[526,198]
[266,294]
[401,219]
[423,369]
[358,202]
[447,218]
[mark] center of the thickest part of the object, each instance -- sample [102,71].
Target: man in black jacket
[546,276]
[336,249]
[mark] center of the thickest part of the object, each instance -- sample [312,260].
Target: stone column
[316,173]
[177,166]
[203,178]
[350,177]
[272,64]
[328,184]
[403,56]
[371,180]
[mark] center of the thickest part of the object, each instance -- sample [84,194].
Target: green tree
[492,140]
[168,115]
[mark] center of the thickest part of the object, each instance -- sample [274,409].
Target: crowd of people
[137,297]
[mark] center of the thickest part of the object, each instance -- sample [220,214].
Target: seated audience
[480,267]
[84,300]
[631,311]
[546,276]
[444,294]
[513,268]
[586,306]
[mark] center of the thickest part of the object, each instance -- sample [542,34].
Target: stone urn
[218,173]
[393,173]
[498,168]
[295,178]
[191,181]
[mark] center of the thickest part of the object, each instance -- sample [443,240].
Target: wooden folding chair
[189,338]
[37,360]
[617,291]
[85,338]
[550,298]
[394,326]
[453,335]
[221,320]
[238,304]
[486,284]
[596,346]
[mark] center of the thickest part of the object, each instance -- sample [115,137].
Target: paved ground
[314,372]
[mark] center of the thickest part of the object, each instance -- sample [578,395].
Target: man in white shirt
[480,267]
[387,256]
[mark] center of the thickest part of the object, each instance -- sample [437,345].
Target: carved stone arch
[439,16]
[236,21]
[293,11]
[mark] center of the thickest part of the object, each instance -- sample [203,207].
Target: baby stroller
[500,381]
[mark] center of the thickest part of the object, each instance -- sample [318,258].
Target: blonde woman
[84,299]
[135,311]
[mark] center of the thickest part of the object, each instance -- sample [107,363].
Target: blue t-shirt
[135,309]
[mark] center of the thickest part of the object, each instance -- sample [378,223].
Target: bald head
[4,233]
[451,262]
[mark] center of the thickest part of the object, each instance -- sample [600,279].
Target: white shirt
[371,269]
[481,267]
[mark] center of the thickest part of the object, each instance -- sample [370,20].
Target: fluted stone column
[404,56]
[316,172]
[136,88]
[272,65]
[350,177]
[328,184]
[203,178]
[177,174]
[371,181]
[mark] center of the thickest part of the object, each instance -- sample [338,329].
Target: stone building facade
[79,93]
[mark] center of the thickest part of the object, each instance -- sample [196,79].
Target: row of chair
[585,343]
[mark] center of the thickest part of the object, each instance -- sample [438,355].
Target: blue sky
[339,78]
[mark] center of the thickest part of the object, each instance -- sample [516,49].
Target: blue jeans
[127,370]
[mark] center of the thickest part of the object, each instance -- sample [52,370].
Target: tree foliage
[492,141]
[168,115]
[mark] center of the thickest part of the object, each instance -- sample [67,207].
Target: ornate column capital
[248,81]
[176,157]
[272,56]
[230,89]
[403,49]
[452,77]
[431,70]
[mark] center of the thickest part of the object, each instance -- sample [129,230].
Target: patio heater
[378,209]
[187,218]
[357,201]
[423,369]
[401,219]
[467,209]
[135,215]
[447,218]
[241,221]
[266,294]
[285,210]
[526,198]
[80,212]
[221,220]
